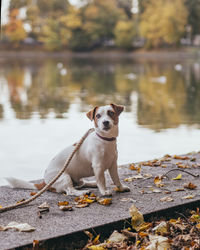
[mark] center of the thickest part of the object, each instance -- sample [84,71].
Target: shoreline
[111,54]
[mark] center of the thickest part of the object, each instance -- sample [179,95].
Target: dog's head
[106,119]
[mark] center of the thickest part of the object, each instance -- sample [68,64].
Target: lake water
[43,104]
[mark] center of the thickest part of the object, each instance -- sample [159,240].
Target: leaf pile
[176,233]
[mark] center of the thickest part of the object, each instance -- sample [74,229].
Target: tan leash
[3,209]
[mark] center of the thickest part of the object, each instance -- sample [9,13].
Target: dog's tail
[17,183]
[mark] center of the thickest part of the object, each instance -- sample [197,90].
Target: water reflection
[166,97]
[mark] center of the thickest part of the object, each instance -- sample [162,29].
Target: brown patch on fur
[117,111]
[91,113]
[117,108]
[41,185]
[95,119]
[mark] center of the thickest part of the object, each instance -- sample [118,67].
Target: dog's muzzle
[106,125]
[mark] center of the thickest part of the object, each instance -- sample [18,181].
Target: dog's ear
[117,108]
[91,113]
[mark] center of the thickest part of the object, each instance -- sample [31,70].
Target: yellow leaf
[0,206]
[144,226]
[96,240]
[138,242]
[179,189]
[178,177]
[137,217]
[97,247]
[198,225]
[105,201]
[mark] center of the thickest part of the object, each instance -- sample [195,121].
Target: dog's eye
[111,113]
[98,116]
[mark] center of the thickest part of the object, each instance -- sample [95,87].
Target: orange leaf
[190,185]
[33,193]
[63,203]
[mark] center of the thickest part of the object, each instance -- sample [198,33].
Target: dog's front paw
[122,189]
[106,193]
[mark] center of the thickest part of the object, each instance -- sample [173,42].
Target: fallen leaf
[136,217]
[33,193]
[116,237]
[44,205]
[82,205]
[177,157]
[63,203]
[135,177]
[127,199]
[144,226]
[190,185]
[143,234]
[22,227]
[188,197]
[167,199]
[136,168]
[147,176]
[158,181]
[179,189]
[97,247]
[90,235]
[105,201]
[156,190]
[178,177]
[96,240]
[161,228]
[198,225]
[158,242]
[182,166]
[65,208]
[36,244]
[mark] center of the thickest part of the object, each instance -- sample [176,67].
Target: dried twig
[182,215]
[181,171]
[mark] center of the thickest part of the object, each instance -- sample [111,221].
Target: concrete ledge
[62,226]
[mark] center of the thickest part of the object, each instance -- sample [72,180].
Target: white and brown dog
[97,154]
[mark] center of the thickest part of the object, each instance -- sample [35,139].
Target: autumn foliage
[91,24]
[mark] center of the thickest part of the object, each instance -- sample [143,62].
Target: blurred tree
[56,33]
[39,13]
[162,23]
[17,4]
[125,32]
[100,18]
[193,7]
[14,29]
[126,6]
[34,20]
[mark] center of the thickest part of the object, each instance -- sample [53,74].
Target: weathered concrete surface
[57,223]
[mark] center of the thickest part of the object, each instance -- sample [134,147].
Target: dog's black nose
[106,123]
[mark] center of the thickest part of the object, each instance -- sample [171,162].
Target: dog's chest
[101,152]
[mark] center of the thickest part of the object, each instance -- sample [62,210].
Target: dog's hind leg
[65,184]
[86,184]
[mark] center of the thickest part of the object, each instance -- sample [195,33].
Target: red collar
[106,138]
